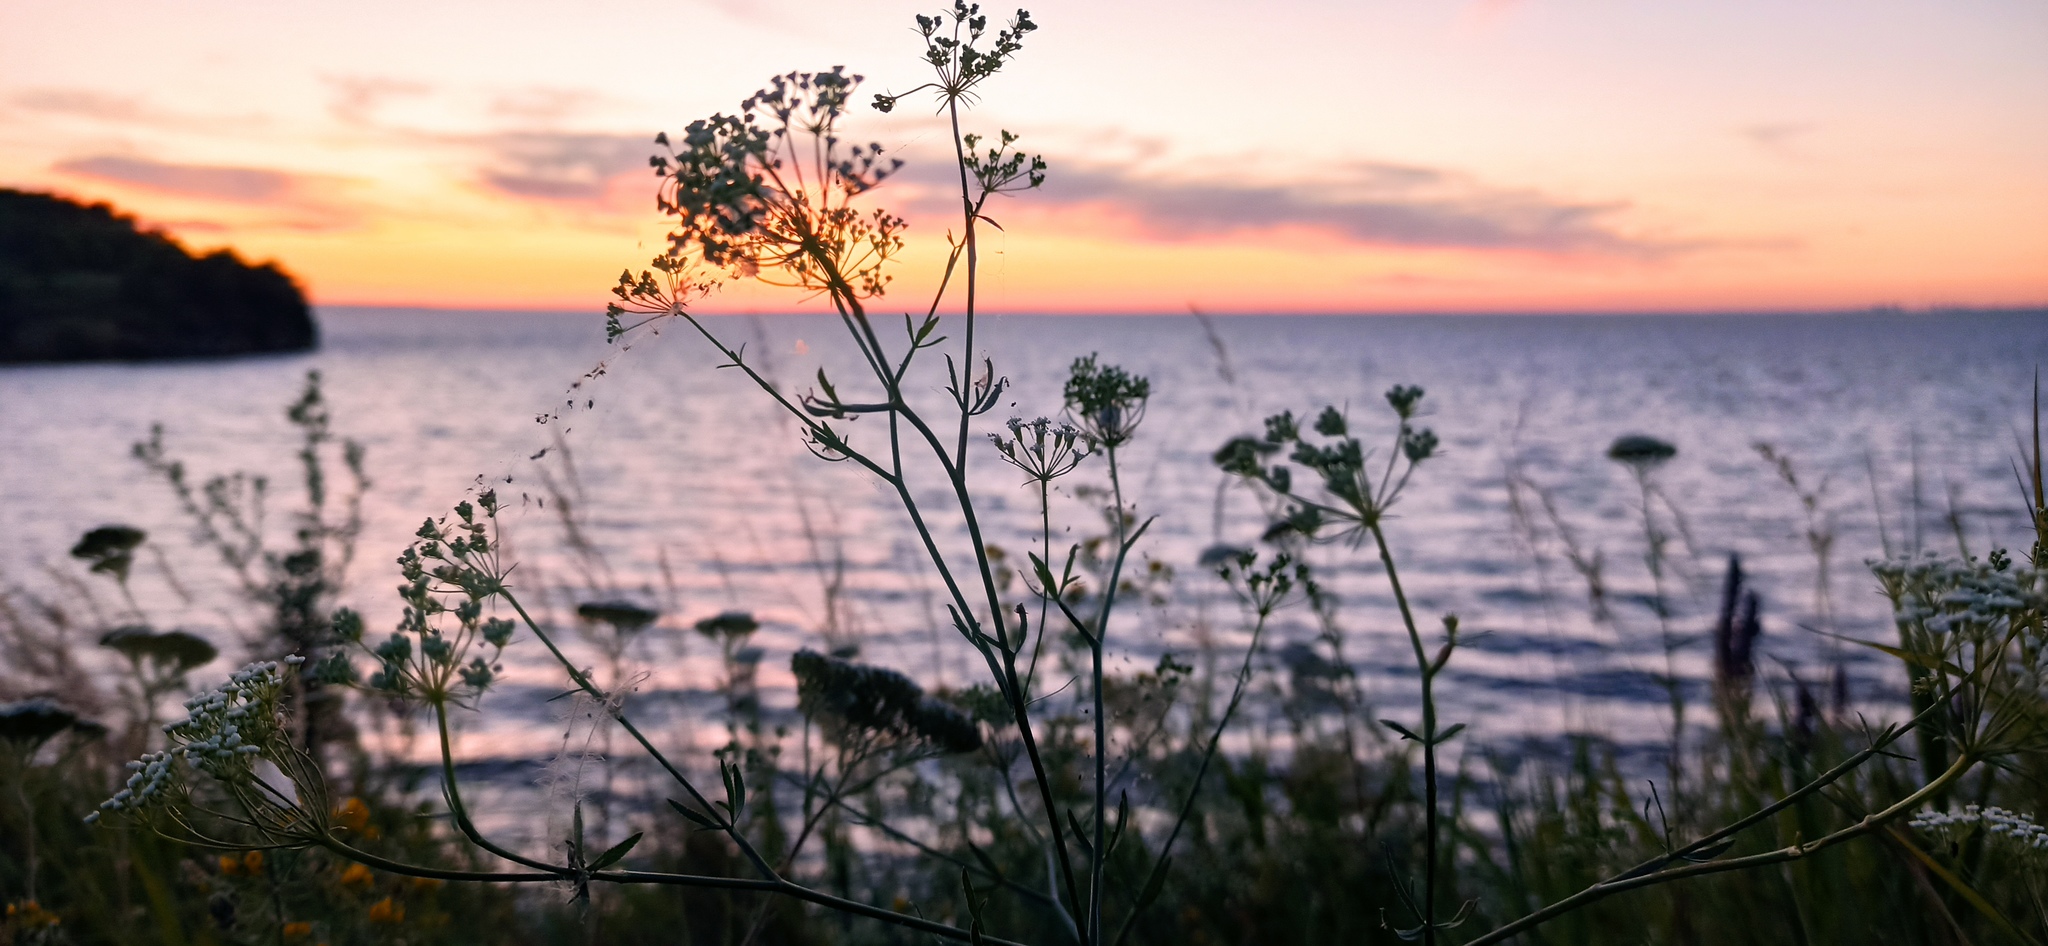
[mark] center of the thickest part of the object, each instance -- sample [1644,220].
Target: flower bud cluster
[1105,401]
[2016,828]
[1966,598]
[1340,462]
[228,728]
[451,570]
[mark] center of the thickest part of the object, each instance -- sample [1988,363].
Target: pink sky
[1389,156]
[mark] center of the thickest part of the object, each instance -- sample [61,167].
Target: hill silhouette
[81,282]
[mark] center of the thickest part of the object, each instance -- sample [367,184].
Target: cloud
[561,166]
[280,200]
[235,185]
[92,105]
[1778,138]
[357,98]
[1371,203]
[542,105]
[82,103]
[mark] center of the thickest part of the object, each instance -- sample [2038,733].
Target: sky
[1357,156]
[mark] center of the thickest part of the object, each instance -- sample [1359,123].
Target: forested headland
[83,282]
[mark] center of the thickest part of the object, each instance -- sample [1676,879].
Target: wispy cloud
[561,166]
[542,105]
[82,103]
[237,185]
[126,111]
[1370,203]
[1779,138]
[356,99]
[273,199]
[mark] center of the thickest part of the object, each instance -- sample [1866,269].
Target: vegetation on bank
[82,282]
[1229,795]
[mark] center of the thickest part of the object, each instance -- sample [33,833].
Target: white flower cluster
[1946,595]
[1998,822]
[227,728]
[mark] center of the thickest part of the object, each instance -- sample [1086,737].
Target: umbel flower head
[452,569]
[878,707]
[1045,451]
[1106,401]
[230,727]
[756,197]
[1973,600]
[2010,828]
[1357,497]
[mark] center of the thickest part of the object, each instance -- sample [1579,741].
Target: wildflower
[859,702]
[358,877]
[34,722]
[2006,828]
[110,549]
[245,864]
[353,815]
[424,884]
[230,726]
[1052,450]
[1640,451]
[1106,401]
[30,914]
[297,929]
[387,910]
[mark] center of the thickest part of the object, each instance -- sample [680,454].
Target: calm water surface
[695,497]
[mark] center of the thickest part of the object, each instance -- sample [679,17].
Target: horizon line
[1814,311]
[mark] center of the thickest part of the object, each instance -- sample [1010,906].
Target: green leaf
[1449,734]
[1080,836]
[692,815]
[987,863]
[1403,730]
[1116,833]
[1153,885]
[613,854]
[1927,661]
[735,788]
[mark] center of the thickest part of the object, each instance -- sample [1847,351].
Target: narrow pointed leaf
[616,852]
[692,815]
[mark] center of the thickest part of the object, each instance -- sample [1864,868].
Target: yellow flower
[353,815]
[425,883]
[359,877]
[387,911]
[252,863]
[30,914]
[297,929]
[230,865]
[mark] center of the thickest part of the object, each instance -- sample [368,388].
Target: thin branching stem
[1869,823]
[1187,805]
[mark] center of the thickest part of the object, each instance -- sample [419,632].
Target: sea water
[665,480]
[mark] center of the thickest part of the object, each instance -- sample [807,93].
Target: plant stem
[1244,677]
[1097,861]
[1651,870]
[1429,789]
[1625,882]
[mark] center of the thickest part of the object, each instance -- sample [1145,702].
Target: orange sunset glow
[1487,156]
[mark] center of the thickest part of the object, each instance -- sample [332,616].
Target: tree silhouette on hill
[82,282]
